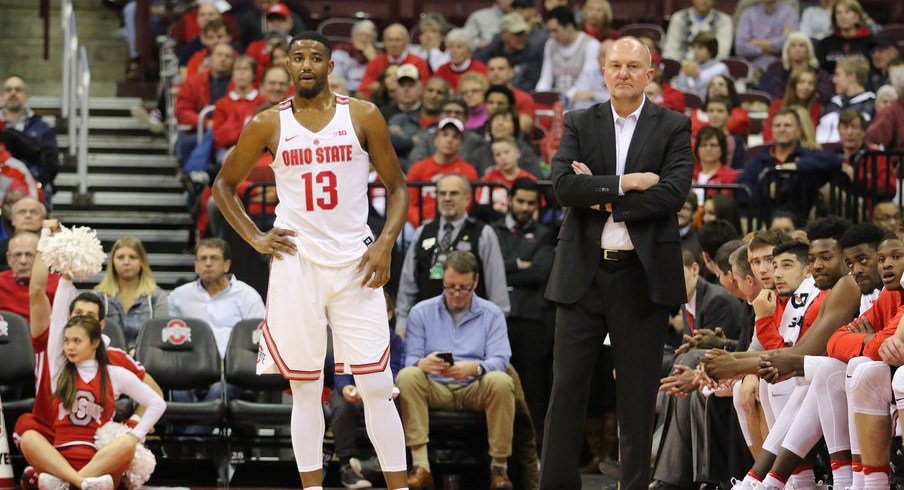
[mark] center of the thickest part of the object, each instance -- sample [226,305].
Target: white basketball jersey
[321,179]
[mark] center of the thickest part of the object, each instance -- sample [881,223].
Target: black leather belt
[618,254]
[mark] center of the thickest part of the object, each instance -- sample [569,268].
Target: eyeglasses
[14,89]
[459,289]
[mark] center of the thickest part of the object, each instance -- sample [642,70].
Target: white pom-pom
[74,251]
[143,463]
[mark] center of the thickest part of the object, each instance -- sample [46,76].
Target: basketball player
[326,267]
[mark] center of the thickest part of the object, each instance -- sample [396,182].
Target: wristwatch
[480,370]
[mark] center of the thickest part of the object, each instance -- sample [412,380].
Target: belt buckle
[606,255]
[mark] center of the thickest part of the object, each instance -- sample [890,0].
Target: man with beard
[327,265]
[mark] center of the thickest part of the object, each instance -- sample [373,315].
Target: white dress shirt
[615,235]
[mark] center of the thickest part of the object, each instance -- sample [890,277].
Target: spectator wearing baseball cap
[279,25]
[445,160]
[521,45]
[405,126]
[458,45]
[406,98]
[395,43]
[253,22]
[483,24]
[883,51]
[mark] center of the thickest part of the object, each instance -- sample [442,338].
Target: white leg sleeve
[852,366]
[773,397]
[384,427]
[870,388]
[742,414]
[804,431]
[307,424]
[787,415]
[831,402]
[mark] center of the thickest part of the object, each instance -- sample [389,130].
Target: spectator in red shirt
[738,122]
[711,167]
[14,282]
[232,112]
[214,32]
[500,72]
[200,91]
[458,45]
[395,42]
[445,160]
[801,92]
[279,26]
[507,171]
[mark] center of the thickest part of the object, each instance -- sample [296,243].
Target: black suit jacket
[661,144]
[715,307]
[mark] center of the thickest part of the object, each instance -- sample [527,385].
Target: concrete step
[52,102]
[132,161]
[134,181]
[120,219]
[146,236]
[132,143]
[129,200]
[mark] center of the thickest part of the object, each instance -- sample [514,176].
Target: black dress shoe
[611,469]
[661,485]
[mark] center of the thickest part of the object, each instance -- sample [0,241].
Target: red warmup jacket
[446,72]
[194,95]
[230,115]
[378,64]
[767,328]
[884,316]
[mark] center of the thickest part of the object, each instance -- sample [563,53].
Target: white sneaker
[103,482]
[46,481]
[742,485]
[149,119]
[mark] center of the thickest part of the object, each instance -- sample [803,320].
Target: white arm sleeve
[59,316]
[128,384]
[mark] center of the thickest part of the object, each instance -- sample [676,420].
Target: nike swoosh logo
[290,138]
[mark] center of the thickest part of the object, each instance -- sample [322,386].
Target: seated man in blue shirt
[457,351]
[219,299]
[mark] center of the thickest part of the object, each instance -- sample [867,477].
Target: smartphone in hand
[446,356]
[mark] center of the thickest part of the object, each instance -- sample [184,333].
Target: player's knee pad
[375,386]
[870,390]
[820,368]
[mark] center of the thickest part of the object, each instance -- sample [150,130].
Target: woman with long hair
[797,54]
[850,35]
[801,92]
[502,123]
[85,388]
[128,289]
[597,20]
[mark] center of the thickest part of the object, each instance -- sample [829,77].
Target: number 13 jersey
[321,179]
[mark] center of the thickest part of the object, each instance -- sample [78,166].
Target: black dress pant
[617,302]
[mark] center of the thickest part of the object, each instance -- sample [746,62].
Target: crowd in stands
[778,288]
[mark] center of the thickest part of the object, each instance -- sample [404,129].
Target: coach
[623,169]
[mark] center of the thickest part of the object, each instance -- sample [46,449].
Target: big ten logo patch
[4,328]
[176,332]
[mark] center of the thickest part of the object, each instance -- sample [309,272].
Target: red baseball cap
[279,9]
